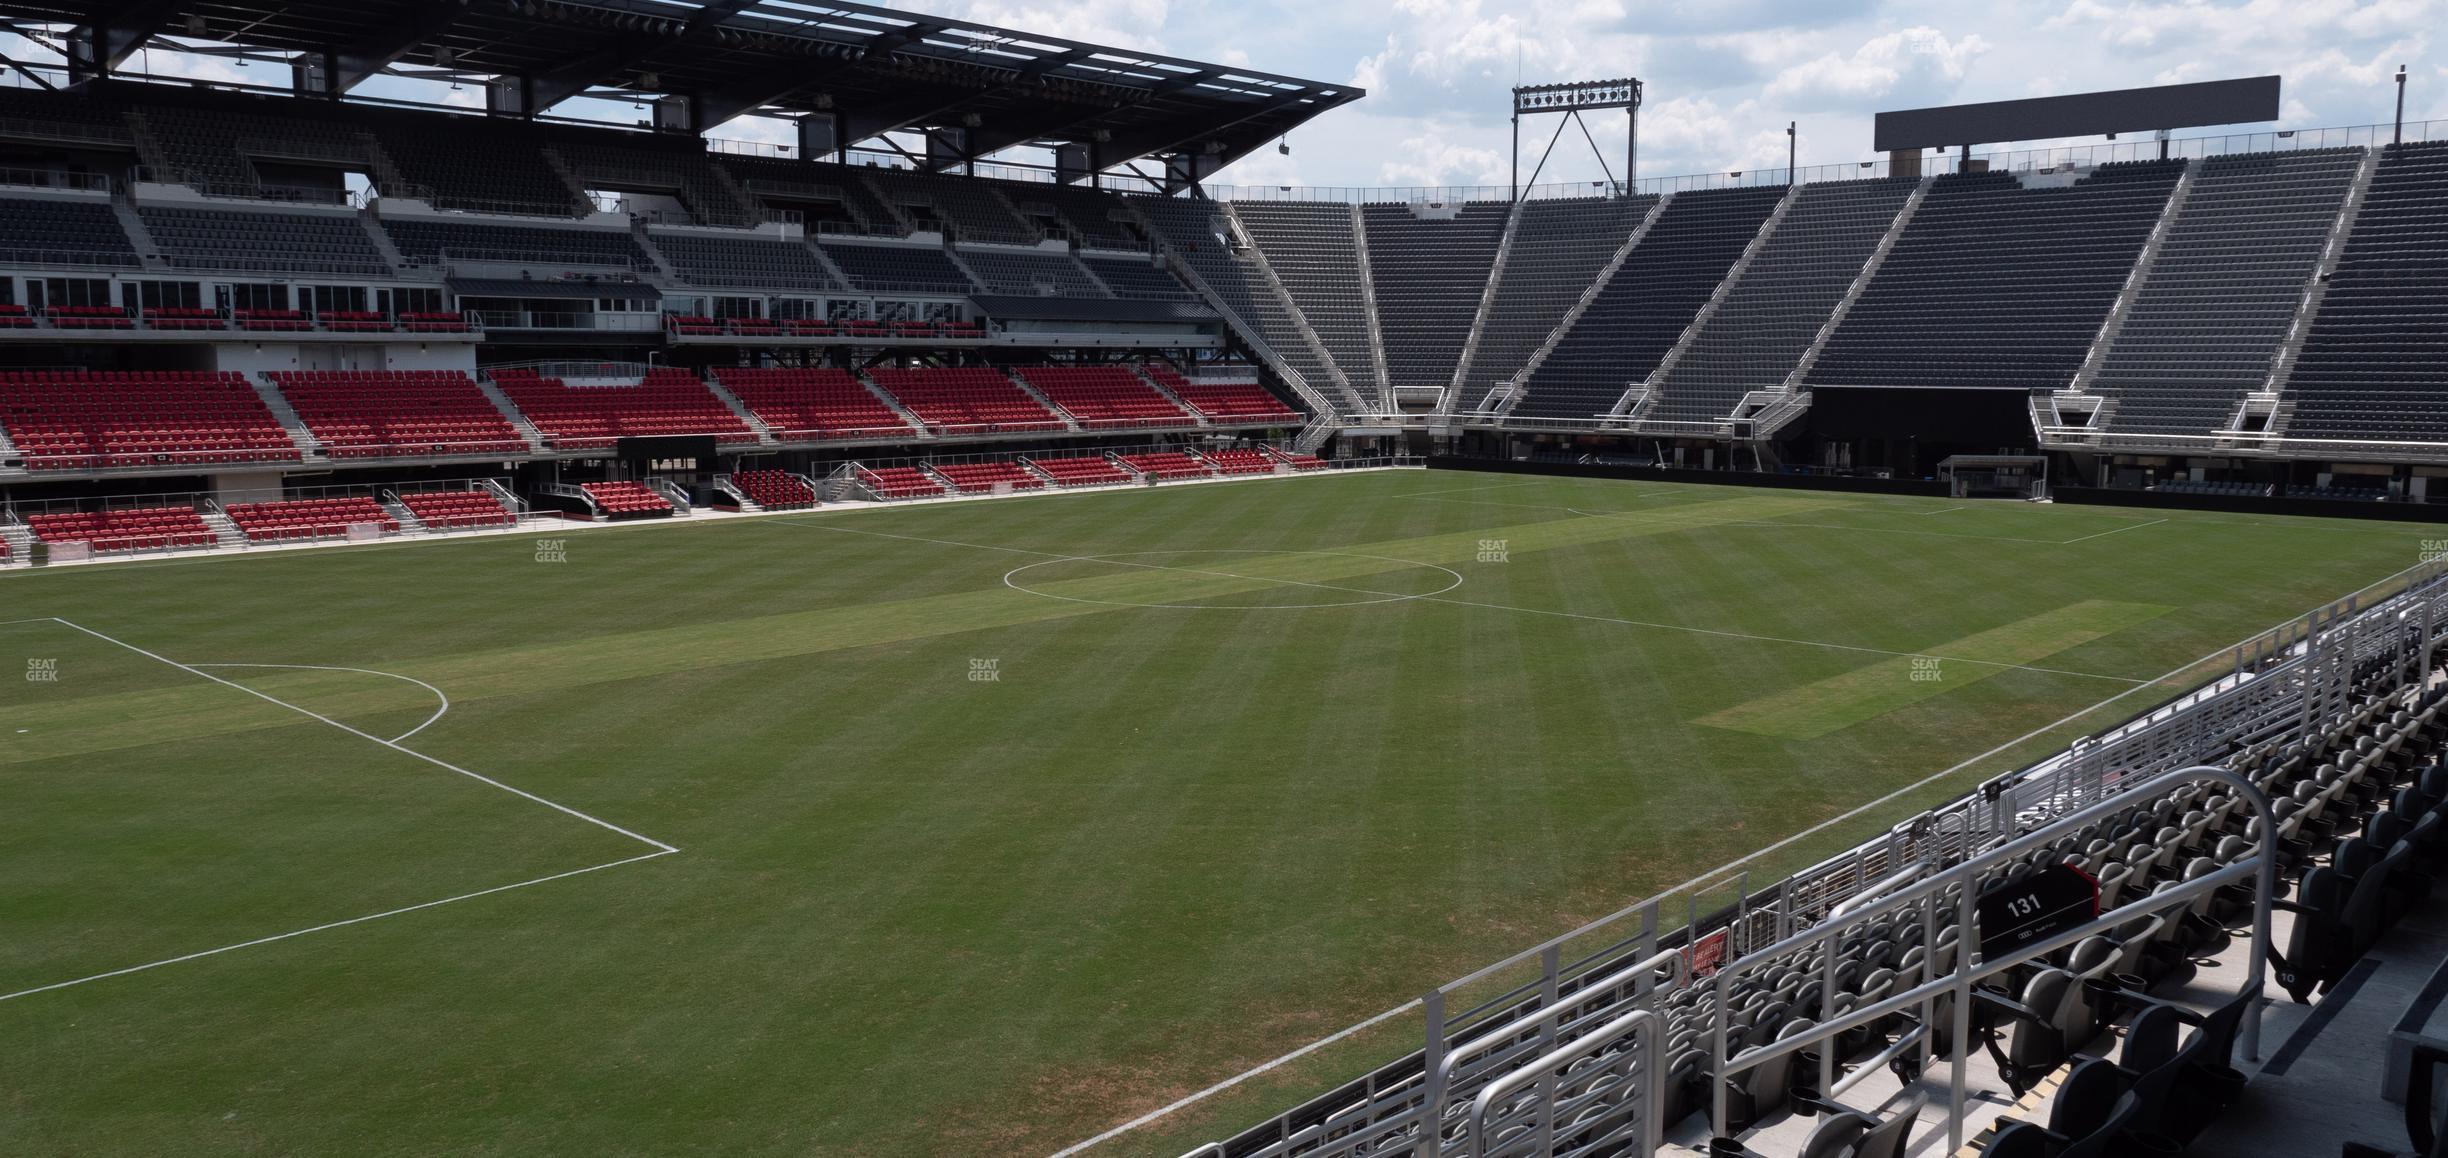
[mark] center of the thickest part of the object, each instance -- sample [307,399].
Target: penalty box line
[661,849]
[333,925]
[369,737]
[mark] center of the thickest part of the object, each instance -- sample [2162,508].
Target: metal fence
[2278,684]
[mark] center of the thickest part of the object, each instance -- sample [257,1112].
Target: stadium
[539,625]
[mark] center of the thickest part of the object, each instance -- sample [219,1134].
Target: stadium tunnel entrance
[1908,432]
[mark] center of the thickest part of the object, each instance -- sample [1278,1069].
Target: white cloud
[1917,65]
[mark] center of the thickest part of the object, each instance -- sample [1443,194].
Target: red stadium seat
[899,482]
[1105,397]
[966,400]
[92,420]
[981,478]
[804,405]
[128,529]
[398,413]
[670,401]
[447,510]
[307,518]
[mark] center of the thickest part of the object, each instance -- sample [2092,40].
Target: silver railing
[1961,886]
[2283,682]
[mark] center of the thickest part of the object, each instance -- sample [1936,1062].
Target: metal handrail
[1966,877]
[1652,1081]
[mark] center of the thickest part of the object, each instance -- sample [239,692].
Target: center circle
[1216,563]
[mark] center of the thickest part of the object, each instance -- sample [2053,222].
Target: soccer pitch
[977,828]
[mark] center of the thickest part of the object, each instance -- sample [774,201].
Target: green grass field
[983,845]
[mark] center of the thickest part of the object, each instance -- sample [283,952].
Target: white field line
[429,720]
[1472,490]
[1880,651]
[1943,510]
[333,925]
[2118,531]
[1236,1079]
[661,849]
[445,765]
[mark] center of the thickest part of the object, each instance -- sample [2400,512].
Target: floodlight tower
[1572,99]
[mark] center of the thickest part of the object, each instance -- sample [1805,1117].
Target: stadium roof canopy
[860,71]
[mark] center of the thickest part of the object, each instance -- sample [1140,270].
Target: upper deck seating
[1430,273]
[1996,284]
[1642,311]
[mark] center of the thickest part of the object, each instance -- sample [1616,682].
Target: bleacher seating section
[397,413]
[830,197]
[899,482]
[1165,464]
[1297,460]
[1137,278]
[1643,309]
[2189,487]
[125,529]
[1080,470]
[452,510]
[1996,284]
[1227,401]
[86,420]
[1314,250]
[803,405]
[2374,364]
[981,478]
[627,500]
[775,490]
[1559,247]
[1190,228]
[1090,213]
[966,400]
[430,240]
[743,262]
[1429,276]
[668,402]
[473,164]
[972,209]
[325,243]
[2205,326]
[1241,462]
[223,144]
[43,230]
[1104,397]
[903,268]
[1770,316]
[2001,279]
[1030,273]
[678,169]
[307,518]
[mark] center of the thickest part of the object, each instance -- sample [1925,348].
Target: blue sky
[1723,76]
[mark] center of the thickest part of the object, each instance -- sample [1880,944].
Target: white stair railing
[2137,279]
[1861,281]
[1511,389]
[2307,309]
[1647,389]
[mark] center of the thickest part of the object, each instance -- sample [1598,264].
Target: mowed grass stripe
[1816,709]
[70,724]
